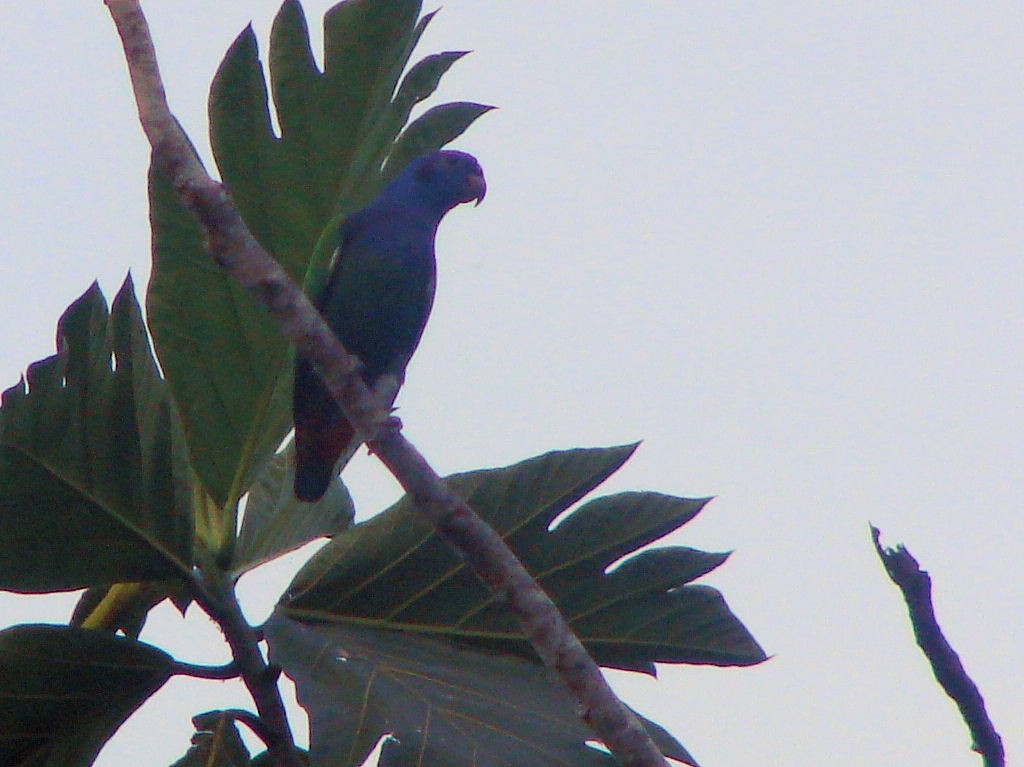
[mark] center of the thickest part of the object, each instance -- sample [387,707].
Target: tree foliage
[125,477]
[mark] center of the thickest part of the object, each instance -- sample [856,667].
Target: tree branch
[233,247]
[214,593]
[916,586]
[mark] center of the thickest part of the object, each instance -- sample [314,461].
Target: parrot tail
[321,434]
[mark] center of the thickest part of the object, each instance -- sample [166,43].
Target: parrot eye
[426,172]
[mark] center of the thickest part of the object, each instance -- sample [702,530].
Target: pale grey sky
[780,244]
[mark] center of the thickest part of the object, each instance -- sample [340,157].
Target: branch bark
[916,586]
[214,592]
[233,247]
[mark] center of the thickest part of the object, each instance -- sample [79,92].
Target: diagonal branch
[916,586]
[233,247]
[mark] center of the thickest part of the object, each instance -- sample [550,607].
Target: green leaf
[216,743]
[441,704]
[227,364]
[432,130]
[394,572]
[225,360]
[421,81]
[64,691]
[276,522]
[92,477]
[288,188]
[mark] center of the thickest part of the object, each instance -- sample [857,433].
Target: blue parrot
[376,299]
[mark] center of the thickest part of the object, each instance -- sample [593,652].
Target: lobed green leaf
[94,488]
[227,365]
[395,572]
[432,130]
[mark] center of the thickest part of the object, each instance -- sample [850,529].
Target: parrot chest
[379,297]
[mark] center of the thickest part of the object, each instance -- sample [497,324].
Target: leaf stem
[104,616]
[228,671]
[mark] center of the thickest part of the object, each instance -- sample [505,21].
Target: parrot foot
[380,397]
[384,391]
[378,407]
[392,424]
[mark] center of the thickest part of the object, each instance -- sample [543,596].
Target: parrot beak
[477,188]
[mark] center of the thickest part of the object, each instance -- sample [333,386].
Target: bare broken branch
[916,586]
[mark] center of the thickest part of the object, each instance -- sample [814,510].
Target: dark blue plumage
[377,299]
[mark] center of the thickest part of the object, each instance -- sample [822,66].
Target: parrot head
[442,180]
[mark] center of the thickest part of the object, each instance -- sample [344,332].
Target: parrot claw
[385,389]
[380,406]
[392,424]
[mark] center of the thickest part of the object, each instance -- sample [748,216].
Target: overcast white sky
[782,246]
